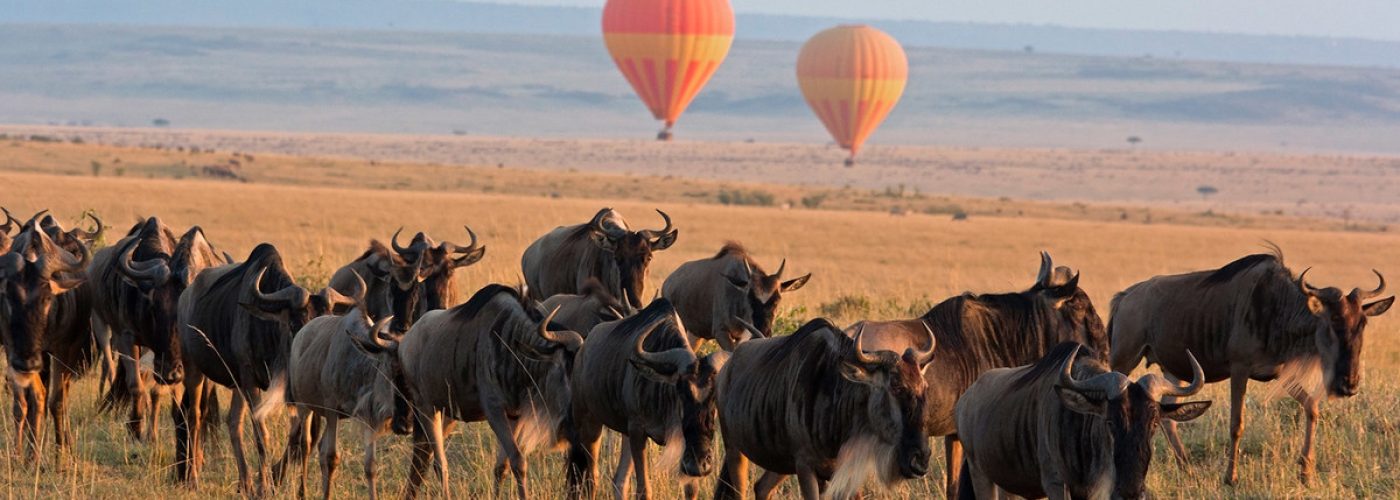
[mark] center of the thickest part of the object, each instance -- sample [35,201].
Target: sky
[1375,19]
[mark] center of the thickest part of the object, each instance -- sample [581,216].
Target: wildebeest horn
[470,254]
[1104,385]
[35,218]
[156,271]
[290,296]
[1066,373]
[650,234]
[865,358]
[68,261]
[450,247]
[925,356]
[10,221]
[228,259]
[672,359]
[570,340]
[374,343]
[1043,276]
[1303,282]
[354,298]
[1158,386]
[88,235]
[754,333]
[403,252]
[781,266]
[1379,289]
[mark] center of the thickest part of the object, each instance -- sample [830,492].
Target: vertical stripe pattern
[852,76]
[668,49]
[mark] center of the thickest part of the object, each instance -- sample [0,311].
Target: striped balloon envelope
[852,76]
[668,49]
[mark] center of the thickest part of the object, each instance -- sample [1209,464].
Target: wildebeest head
[630,251]
[9,225]
[152,278]
[895,404]
[67,239]
[667,359]
[273,296]
[436,264]
[1130,412]
[757,293]
[542,340]
[32,275]
[1059,288]
[1341,330]
[382,344]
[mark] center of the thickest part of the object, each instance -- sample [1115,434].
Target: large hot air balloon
[668,49]
[852,76]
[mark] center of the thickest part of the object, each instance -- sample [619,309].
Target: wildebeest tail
[964,484]
[118,395]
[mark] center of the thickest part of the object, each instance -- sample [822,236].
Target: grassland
[865,263]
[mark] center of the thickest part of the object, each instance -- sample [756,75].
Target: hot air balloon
[668,49]
[852,76]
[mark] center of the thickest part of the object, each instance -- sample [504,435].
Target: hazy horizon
[1368,19]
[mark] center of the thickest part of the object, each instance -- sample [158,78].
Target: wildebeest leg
[422,454]
[107,359]
[22,409]
[59,379]
[637,443]
[1310,411]
[371,439]
[508,453]
[581,471]
[189,429]
[153,429]
[1238,381]
[974,484]
[767,484]
[129,356]
[260,441]
[329,459]
[436,433]
[299,446]
[952,457]
[237,408]
[624,469]
[733,476]
[807,482]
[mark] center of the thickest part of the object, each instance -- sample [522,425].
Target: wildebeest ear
[603,241]
[1078,402]
[1378,307]
[796,283]
[58,287]
[665,241]
[860,375]
[1183,412]
[1316,306]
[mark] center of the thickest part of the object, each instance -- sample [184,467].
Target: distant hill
[464,17]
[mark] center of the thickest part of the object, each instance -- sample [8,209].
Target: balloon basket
[850,162]
[663,136]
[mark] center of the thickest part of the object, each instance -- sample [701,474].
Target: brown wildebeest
[44,310]
[583,311]
[977,333]
[714,295]
[497,358]
[819,405]
[10,224]
[236,324]
[564,259]
[639,377]
[437,263]
[1248,320]
[1066,429]
[376,268]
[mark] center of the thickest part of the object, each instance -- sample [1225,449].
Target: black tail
[118,394]
[965,487]
[210,412]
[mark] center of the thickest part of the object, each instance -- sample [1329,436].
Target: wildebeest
[604,248]
[1066,427]
[341,367]
[713,295]
[136,286]
[10,224]
[236,323]
[582,311]
[394,284]
[977,333]
[1250,319]
[818,404]
[438,262]
[639,377]
[44,310]
[497,358]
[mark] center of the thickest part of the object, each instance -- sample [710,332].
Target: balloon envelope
[852,76]
[668,49]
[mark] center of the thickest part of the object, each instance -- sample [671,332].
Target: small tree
[160,122]
[1206,191]
[96,168]
[1134,140]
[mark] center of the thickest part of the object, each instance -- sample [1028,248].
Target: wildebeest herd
[1029,389]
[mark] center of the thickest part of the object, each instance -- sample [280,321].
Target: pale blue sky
[1378,19]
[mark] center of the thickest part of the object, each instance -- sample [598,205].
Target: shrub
[741,197]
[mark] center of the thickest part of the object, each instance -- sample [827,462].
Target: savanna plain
[873,253]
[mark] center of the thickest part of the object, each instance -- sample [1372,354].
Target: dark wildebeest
[342,367]
[44,310]
[819,405]
[714,295]
[1248,320]
[563,260]
[639,377]
[1066,429]
[583,311]
[236,323]
[438,262]
[977,333]
[376,269]
[136,285]
[496,358]
[10,224]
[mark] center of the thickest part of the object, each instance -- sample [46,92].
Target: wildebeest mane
[479,300]
[732,248]
[793,342]
[375,248]
[265,255]
[1051,363]
[1230,271]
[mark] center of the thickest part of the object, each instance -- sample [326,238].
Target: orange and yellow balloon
[668,49]
[852,76]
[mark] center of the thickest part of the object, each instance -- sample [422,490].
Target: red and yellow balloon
[668,49]
[852,76]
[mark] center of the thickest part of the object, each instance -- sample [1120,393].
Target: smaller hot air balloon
[852,76]
[668,49]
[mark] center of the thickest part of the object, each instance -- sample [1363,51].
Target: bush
[741,197]
[813,201]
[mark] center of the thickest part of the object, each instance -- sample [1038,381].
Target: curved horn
[1066,373]
[450,247]
[93,235]
[649,234]
[754,333]
[1198,378]
[1379,289]
[868,359]
[925,356]
[571,340]
[403,252]
[32,220]
[382,326]
[676,356]
[1303,283]
[781,266]
[154,270]
[1158,386]
[1043,276]
[67,261]
[10,221]
[291,296]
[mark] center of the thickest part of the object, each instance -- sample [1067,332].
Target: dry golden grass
[897,263]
